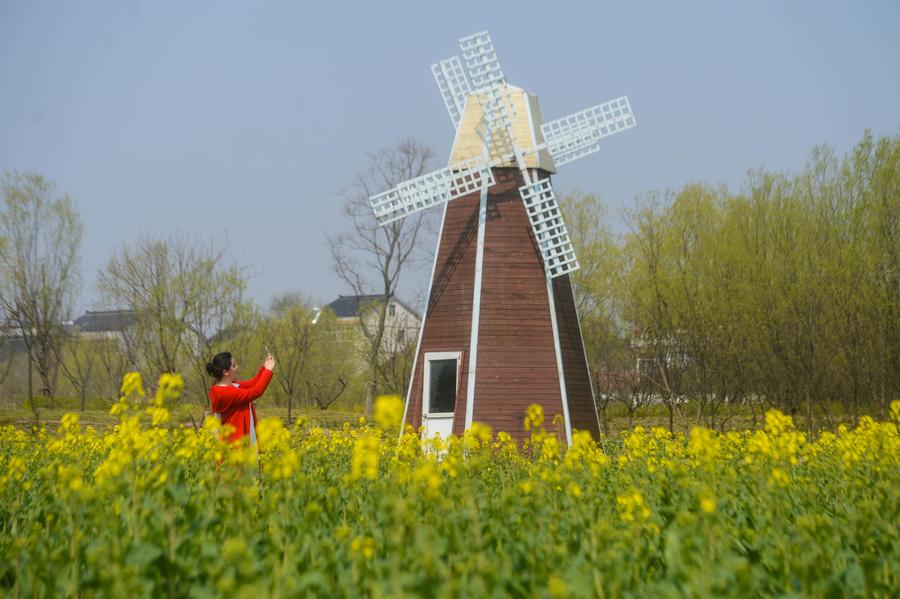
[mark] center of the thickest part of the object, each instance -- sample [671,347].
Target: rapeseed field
[151,510]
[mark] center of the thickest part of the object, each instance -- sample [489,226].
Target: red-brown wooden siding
[448,317]
[516,363]
[582,413]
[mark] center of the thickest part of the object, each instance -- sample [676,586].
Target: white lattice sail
[577,135]
[499,125]
[453,86]
[431,189]
[495,128]
[550,230]
[481,59]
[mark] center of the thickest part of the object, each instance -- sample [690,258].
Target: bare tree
[184,293]
[371,259]
[40,243]
[399,348]
[79,361]
[115,356]
[9,356]
[290,336]
[329,373]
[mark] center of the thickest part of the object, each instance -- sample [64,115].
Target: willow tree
[40,244]
[185,294]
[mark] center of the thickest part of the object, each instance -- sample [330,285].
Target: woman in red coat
[232,401]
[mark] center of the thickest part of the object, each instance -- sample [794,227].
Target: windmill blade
[577,135]
[453,85]
[481,60]
[550,231]
[431,189]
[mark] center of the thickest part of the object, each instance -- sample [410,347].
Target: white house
[401,325]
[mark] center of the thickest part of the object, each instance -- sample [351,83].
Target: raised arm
[234,397]
[250,382]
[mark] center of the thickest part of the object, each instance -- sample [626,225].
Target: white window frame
[426,380]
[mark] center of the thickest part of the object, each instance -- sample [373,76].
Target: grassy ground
[189,415]
[616,418]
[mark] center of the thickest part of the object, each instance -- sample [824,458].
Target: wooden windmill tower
[501,329]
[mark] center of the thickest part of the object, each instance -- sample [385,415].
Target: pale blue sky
[243,119]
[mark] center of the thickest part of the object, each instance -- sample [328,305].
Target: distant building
[106,324]
[401,325]
[95,325]
[650,355]
[12,339]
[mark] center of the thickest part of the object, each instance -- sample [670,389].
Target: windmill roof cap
[524,113]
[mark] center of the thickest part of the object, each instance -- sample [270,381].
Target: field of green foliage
[152,510]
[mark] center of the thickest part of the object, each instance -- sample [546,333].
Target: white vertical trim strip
[476,309]
[559,361]
[412,376]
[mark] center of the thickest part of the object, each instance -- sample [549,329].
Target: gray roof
[105,322]
[347,306]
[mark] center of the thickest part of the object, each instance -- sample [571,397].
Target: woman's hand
[269,364]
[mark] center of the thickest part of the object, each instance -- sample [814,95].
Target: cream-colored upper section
[525,115]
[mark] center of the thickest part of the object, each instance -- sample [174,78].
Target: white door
[441,382]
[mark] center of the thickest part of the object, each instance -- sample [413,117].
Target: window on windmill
[392,309]
[442,387]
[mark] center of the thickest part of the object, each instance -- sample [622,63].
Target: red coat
[234,404]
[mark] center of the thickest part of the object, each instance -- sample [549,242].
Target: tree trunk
[372,386]
[43,368]
[290,405]
[810,428]
[31,388]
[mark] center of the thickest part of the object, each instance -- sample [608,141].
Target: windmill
[501,329]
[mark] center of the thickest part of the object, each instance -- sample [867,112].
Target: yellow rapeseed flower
[631,506]
[779,478]
[70,422]
[557,587]
[777,422]
[429,476]
[534,417]
[364,546]
[132,384]
[364,463]
[388,411]
[895,411]
[168,388]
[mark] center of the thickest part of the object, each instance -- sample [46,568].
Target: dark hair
[220,363]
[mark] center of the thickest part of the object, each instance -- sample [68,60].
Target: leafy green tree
[186,294]
[40,244]
[595,286]
[80,362]
[291,335]
[334,370]
[786,294]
